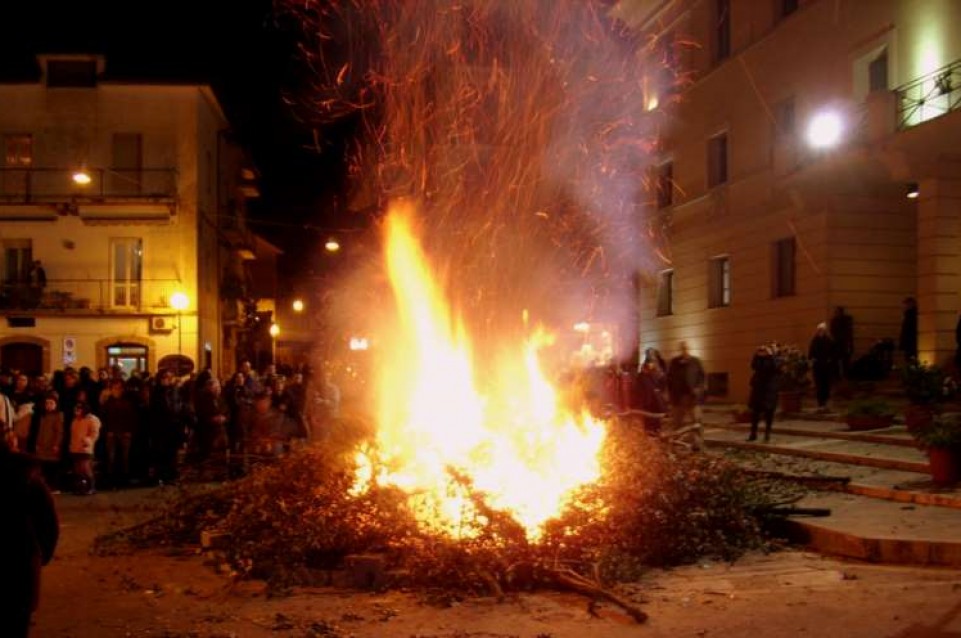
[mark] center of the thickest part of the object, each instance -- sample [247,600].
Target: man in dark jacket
[28,536]
[685,386]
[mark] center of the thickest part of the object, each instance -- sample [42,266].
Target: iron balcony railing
[79,296]
[929,96]
[27,185]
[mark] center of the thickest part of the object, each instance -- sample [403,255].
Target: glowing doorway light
[824,130]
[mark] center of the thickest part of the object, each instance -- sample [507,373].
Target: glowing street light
[824,130]
[274,330]
[298,305]
[179,302]
[332,245]
[81,177]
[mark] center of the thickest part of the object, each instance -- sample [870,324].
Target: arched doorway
[22,356]
[131,357]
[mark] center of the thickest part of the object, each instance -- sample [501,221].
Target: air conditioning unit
[161,323]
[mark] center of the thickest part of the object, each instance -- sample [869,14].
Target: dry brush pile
[291,522]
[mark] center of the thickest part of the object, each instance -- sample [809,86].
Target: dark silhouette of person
[764,387]
[908,340]
[842,331]
[28,535]
[822,352]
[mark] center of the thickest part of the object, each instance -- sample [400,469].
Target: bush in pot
[941,439]
[869,414]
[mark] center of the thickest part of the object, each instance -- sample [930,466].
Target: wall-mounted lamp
[298,305]
[81,177]
[913,191]
[332,245]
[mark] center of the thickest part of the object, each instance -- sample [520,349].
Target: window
[126,174]
[784,117]
[665,294]
[131,357]
[717,384]
[784,277]
[71,73]
[878,73]
[786,7]
[665,185]
[722,30]
[719,282]
[17,258]
[717,160]
[17,159]
[127,257]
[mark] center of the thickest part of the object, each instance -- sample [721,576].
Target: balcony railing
[94,296]
[929,96]
[28,185]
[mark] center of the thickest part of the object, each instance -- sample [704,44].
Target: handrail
[28,184]
[929,96]
[90,295]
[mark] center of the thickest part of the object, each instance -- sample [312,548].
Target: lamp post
[274,331]
[179,302]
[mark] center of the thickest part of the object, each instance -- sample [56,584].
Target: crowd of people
[142,429]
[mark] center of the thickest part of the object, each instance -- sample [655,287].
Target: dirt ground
[175,595]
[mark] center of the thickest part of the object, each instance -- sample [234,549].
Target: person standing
[908,339]
[84,433]
[28,535]
[764,387]
[685,386]
[49,428]
[649,396]
[842,331]
[821,352]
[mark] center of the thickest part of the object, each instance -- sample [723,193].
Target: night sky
[242,48]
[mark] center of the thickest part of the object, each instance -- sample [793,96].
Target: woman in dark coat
[822,354]
[764,387]
[28,537]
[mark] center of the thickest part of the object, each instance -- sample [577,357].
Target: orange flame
[519,447]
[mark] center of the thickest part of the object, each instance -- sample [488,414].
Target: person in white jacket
[83,436]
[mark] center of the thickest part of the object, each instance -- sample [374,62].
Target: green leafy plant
[924,384]
[870,407]
[943,431]
[793,368]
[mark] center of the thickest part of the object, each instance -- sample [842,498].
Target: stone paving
[887,510]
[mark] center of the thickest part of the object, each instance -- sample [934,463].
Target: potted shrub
[925,386]
[793,381]
[869,414]
[941,439]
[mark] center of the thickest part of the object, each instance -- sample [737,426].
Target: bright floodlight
[179,301]
[824,131]
[81,177]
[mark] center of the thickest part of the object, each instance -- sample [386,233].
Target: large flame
[516,444]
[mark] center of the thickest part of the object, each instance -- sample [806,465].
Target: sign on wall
[69,351]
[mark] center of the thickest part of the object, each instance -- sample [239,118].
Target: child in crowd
[83,437]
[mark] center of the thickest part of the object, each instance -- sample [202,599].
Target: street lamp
[81,177]
[179,302]
[298,305]
[824,130]
[274,330]
[332,245]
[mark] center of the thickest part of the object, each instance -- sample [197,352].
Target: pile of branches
[289,522]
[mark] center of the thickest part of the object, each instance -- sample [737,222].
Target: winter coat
[822,353]
[764,383]
[49,436]
[28,535]
[685,378]
[83,434]
[119,415]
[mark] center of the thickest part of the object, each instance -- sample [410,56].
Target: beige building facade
[765,225]
[131,198]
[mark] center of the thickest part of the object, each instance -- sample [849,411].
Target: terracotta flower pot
[945,465]
[868,422]
[790,401]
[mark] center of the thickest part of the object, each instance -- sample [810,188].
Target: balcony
[28,185]
[79,297]
[929,96]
